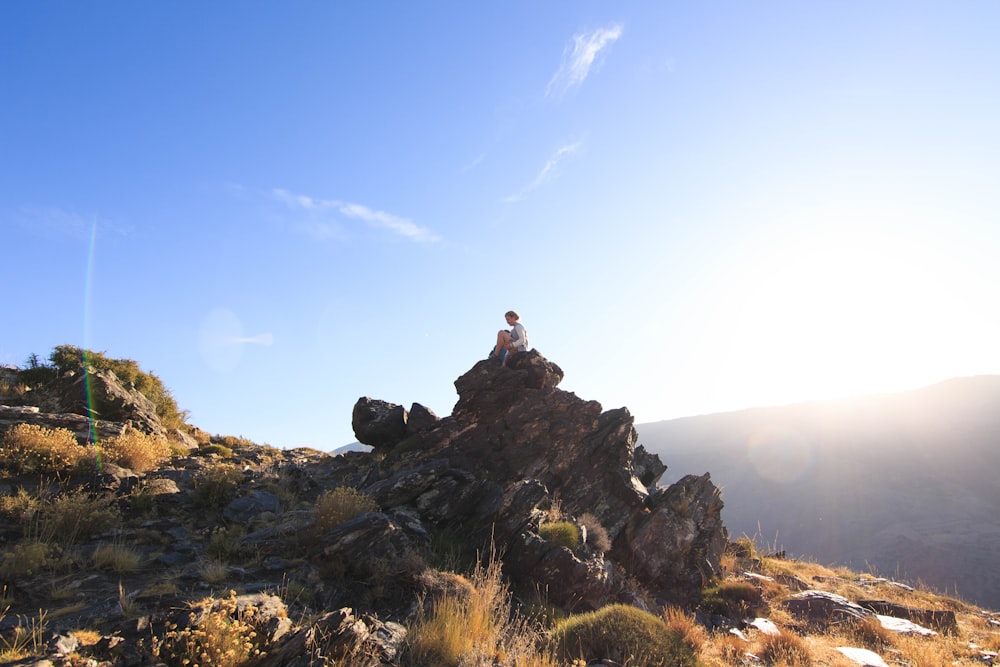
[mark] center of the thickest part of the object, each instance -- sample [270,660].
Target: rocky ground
[123,567]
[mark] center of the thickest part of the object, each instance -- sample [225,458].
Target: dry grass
[473,625]
[135,450]
[116,557]
[785,648]
[25,639]
[686,627]
[213,571]
[819,647]
[71,517]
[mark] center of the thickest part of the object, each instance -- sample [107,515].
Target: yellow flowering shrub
[219,636]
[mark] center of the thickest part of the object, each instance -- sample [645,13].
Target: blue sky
[279,208]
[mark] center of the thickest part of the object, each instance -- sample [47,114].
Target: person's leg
[503,340]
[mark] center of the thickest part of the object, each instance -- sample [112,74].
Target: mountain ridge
[899,482]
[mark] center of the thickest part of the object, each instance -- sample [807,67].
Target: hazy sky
[281,207]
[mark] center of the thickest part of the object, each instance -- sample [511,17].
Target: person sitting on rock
[509,342]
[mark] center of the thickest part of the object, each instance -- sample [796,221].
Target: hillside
[524,530]
[904,484]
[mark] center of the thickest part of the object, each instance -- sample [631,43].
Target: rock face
[515,447]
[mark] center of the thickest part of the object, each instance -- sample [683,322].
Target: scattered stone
[903,626]
[764,625]
[862,656]
[942,620]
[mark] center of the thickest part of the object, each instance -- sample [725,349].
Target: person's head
[511,316]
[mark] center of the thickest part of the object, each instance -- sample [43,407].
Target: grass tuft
[339,505]
[561,533]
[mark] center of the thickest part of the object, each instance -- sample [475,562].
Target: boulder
[822,608]
[378,423]
[421,418]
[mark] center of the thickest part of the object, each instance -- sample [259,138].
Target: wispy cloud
[579,57]
[322,227]
[546,172]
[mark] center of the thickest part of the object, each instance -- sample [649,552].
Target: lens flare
[88,394]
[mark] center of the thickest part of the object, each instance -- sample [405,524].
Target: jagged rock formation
[515,445]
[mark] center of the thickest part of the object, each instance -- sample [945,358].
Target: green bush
[624,634]
[561,533]
[71,358]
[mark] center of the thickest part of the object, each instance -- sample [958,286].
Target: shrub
[215,448]
[21,507]
[219,635]
[339,505]
[226,543]
[734,599]
[624,634]
[27,558]
[560,533]
[29,448]
[76,516]
[597,535]
[216,487]
[135,450]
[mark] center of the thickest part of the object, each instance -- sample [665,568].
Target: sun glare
[843,313]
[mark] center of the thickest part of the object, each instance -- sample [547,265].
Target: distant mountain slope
[906,484]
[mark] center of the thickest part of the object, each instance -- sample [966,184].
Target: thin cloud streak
[578,60]
[546,171]
[374,218]
[265,339]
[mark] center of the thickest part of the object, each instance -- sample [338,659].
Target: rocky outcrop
[97,400]
[101,395]
[515,446]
